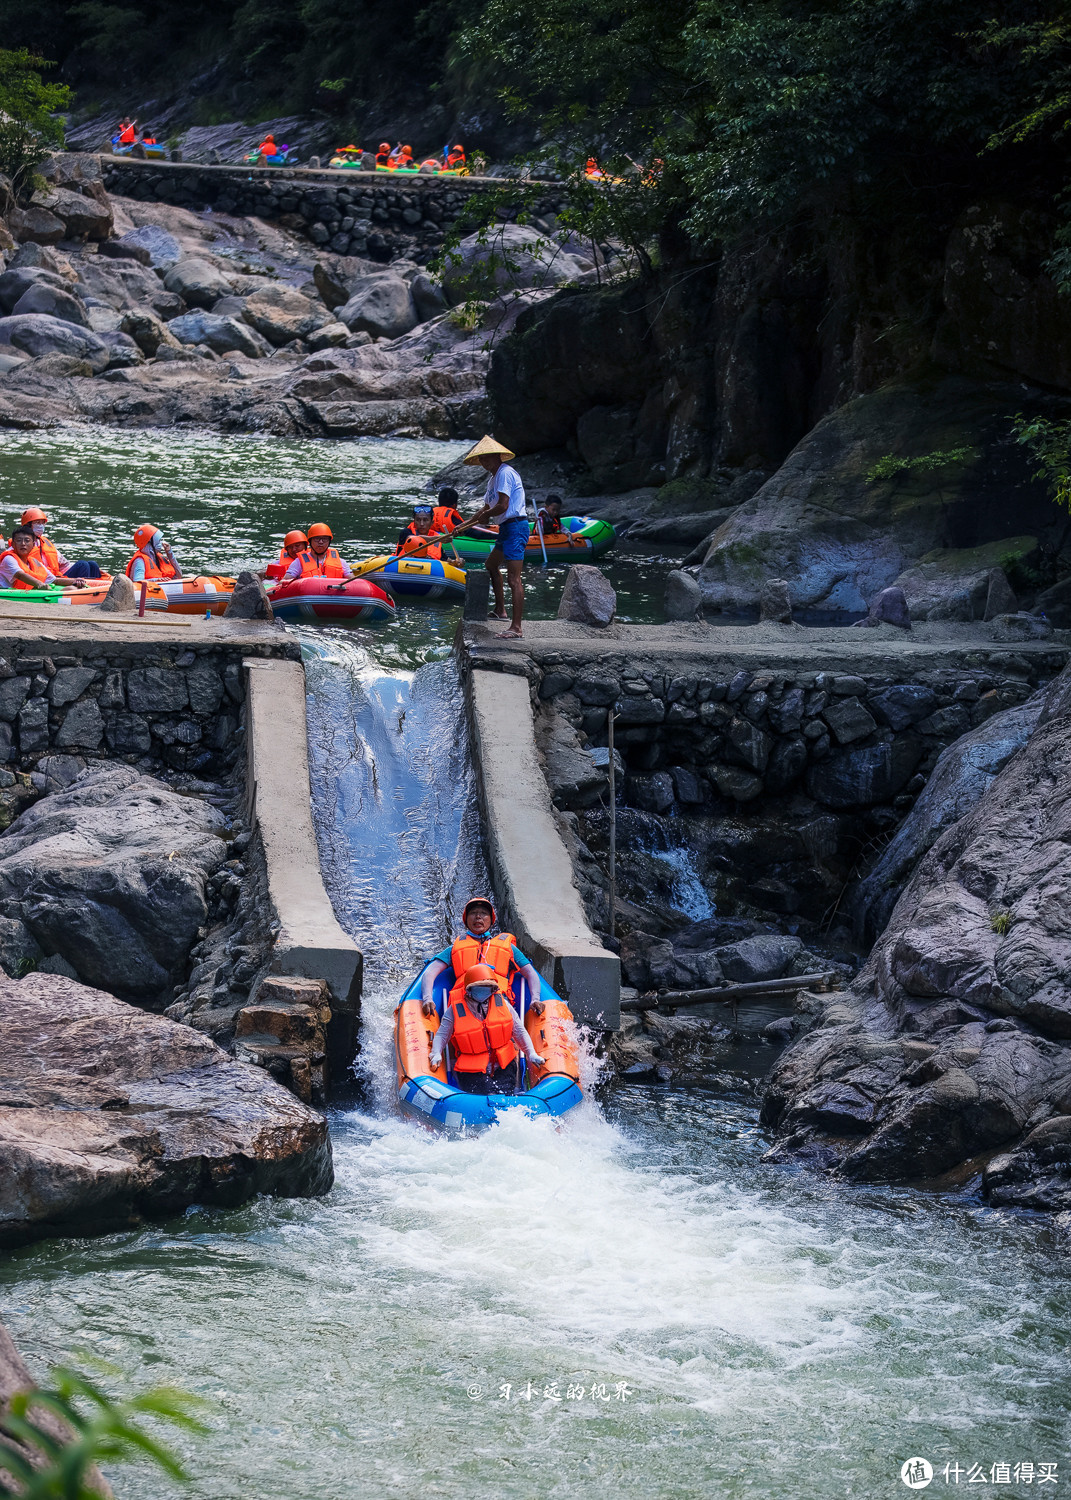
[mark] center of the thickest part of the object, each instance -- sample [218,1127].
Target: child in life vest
[477,946]
[486,1034]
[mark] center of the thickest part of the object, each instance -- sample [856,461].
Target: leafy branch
[51,1440]
[891,467]
[1050,444]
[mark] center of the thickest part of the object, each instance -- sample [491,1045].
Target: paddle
[440,539]
[542,543]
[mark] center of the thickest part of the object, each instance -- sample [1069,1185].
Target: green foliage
[1050,445]
[1001,922]
[28,129]
[891,467]
[44,1466]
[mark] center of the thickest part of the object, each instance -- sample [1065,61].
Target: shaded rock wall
[732,362]
[956,1038]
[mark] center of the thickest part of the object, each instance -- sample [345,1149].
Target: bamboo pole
[730,994]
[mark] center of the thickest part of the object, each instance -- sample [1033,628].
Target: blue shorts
[513,537]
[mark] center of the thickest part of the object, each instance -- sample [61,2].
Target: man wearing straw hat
[504,502]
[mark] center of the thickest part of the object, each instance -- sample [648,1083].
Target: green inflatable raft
[580,539]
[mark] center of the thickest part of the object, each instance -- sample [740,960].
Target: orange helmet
[480,974]
[144,535]
[32,513]
[384,145]
[479,901]
[294,539]
[320,529]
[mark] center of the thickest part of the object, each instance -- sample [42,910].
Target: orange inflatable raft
[432,1095]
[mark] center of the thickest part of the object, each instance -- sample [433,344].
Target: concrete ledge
[530,866]
[310,942]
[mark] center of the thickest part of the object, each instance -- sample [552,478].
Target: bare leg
[515,574]
[494,567]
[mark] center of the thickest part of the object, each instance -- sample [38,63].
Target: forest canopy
[734,114]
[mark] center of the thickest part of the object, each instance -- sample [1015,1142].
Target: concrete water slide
[530,866]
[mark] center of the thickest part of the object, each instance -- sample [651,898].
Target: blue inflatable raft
[432,1095]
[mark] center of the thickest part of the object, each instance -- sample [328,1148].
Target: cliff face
[733,362]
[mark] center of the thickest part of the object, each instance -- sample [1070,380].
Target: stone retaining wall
[164,704]
[351,213]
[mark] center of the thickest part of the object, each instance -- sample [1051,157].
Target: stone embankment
[350,213]
[141,864]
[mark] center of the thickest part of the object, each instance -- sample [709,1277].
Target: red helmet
[32,513]
[320,528]
[144,535]
[480,974]
[479,901]
[294,539]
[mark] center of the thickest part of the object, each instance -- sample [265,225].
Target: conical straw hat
[487,447]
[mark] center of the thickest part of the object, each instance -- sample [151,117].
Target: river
[633,1305]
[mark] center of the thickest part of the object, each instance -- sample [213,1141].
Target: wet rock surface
[956,1038]
[109,1115]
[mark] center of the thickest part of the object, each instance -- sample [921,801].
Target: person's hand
[428,1007]
[435,1059]
[78,583]
[537,1061]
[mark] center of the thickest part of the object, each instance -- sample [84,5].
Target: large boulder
[82,217]
[37,223]
[223,335]
[147,332]
[109,1114]
[682,599]
[964,771]
[110,875]
[197,282]
[840,525]
[161,248]
[509,256]
[964,583]
[37,334]
[588,597]
[381,306]
[57,303]
[17,280]
[956,1037]
[281,314]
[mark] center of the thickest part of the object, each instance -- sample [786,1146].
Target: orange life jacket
[268,148]
[128,136]
[427,547]
[476,1041]
[32,565]
[455,159]
[328,566]
[550,524]
[153,568]
[496,952]
[445,518]
[382,158]
[49,555]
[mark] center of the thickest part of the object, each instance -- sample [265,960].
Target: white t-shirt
[506,481]
[10,566]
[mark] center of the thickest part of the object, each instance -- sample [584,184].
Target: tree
[28,107]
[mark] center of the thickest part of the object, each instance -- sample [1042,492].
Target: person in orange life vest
[445,516]
[319,560]
[410,537]
[477,945]
[128,131]
[485,1035]
[294,542]
[50,554]
[267,146]
[154,559]
[383,154]
[21,568]
[455,158]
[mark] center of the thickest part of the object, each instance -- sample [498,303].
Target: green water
[425,1328]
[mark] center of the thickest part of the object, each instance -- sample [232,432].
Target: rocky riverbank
[137,312]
